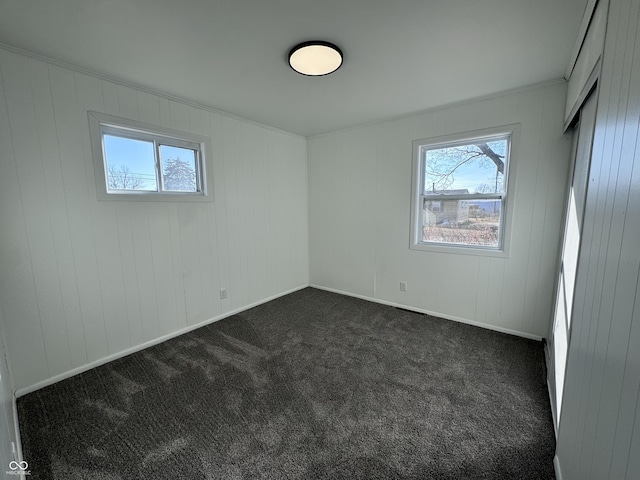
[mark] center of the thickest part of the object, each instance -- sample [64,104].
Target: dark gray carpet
[313,385]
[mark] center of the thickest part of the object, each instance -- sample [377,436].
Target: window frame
[101,124]
[418,196]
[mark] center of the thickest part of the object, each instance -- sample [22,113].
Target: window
[460,191]
[137,161]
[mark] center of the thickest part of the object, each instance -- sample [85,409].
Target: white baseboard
[70,373]
[137,348]
[433,314]
[18,441]
[96,363]
[556,467]
[551,388]
[552,403]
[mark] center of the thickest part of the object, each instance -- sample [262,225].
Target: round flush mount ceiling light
[315,58]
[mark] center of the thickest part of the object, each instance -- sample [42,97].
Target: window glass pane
[472,168]
[130,164]
[178,169]
[462,222]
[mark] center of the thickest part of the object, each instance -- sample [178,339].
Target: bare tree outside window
[463,189]
[123,179]
[443,164]
[140,162]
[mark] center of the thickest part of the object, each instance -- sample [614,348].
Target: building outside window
[460,192]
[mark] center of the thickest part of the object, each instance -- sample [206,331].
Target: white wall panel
[7,412]
[359,214]
[18,291]
[599,430]
[82,279]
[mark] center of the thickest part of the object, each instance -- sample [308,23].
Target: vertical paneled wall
[359,214]
[599,432]
[7,425]
[82,279]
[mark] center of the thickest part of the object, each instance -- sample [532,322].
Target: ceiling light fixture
[315,58]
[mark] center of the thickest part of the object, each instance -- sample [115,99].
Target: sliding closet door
[583,138]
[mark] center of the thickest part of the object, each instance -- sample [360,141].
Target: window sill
[460,250]
[154,197]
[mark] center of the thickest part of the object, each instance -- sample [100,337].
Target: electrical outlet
[223,293]
[403,286]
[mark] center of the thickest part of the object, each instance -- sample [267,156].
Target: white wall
[7,424]
[599,433]
[82,279]
[359,214]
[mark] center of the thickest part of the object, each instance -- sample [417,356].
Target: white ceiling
[401,56]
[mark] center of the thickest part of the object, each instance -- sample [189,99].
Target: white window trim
[100,123]
[513,131]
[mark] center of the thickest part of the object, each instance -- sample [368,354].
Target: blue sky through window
[136,155]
